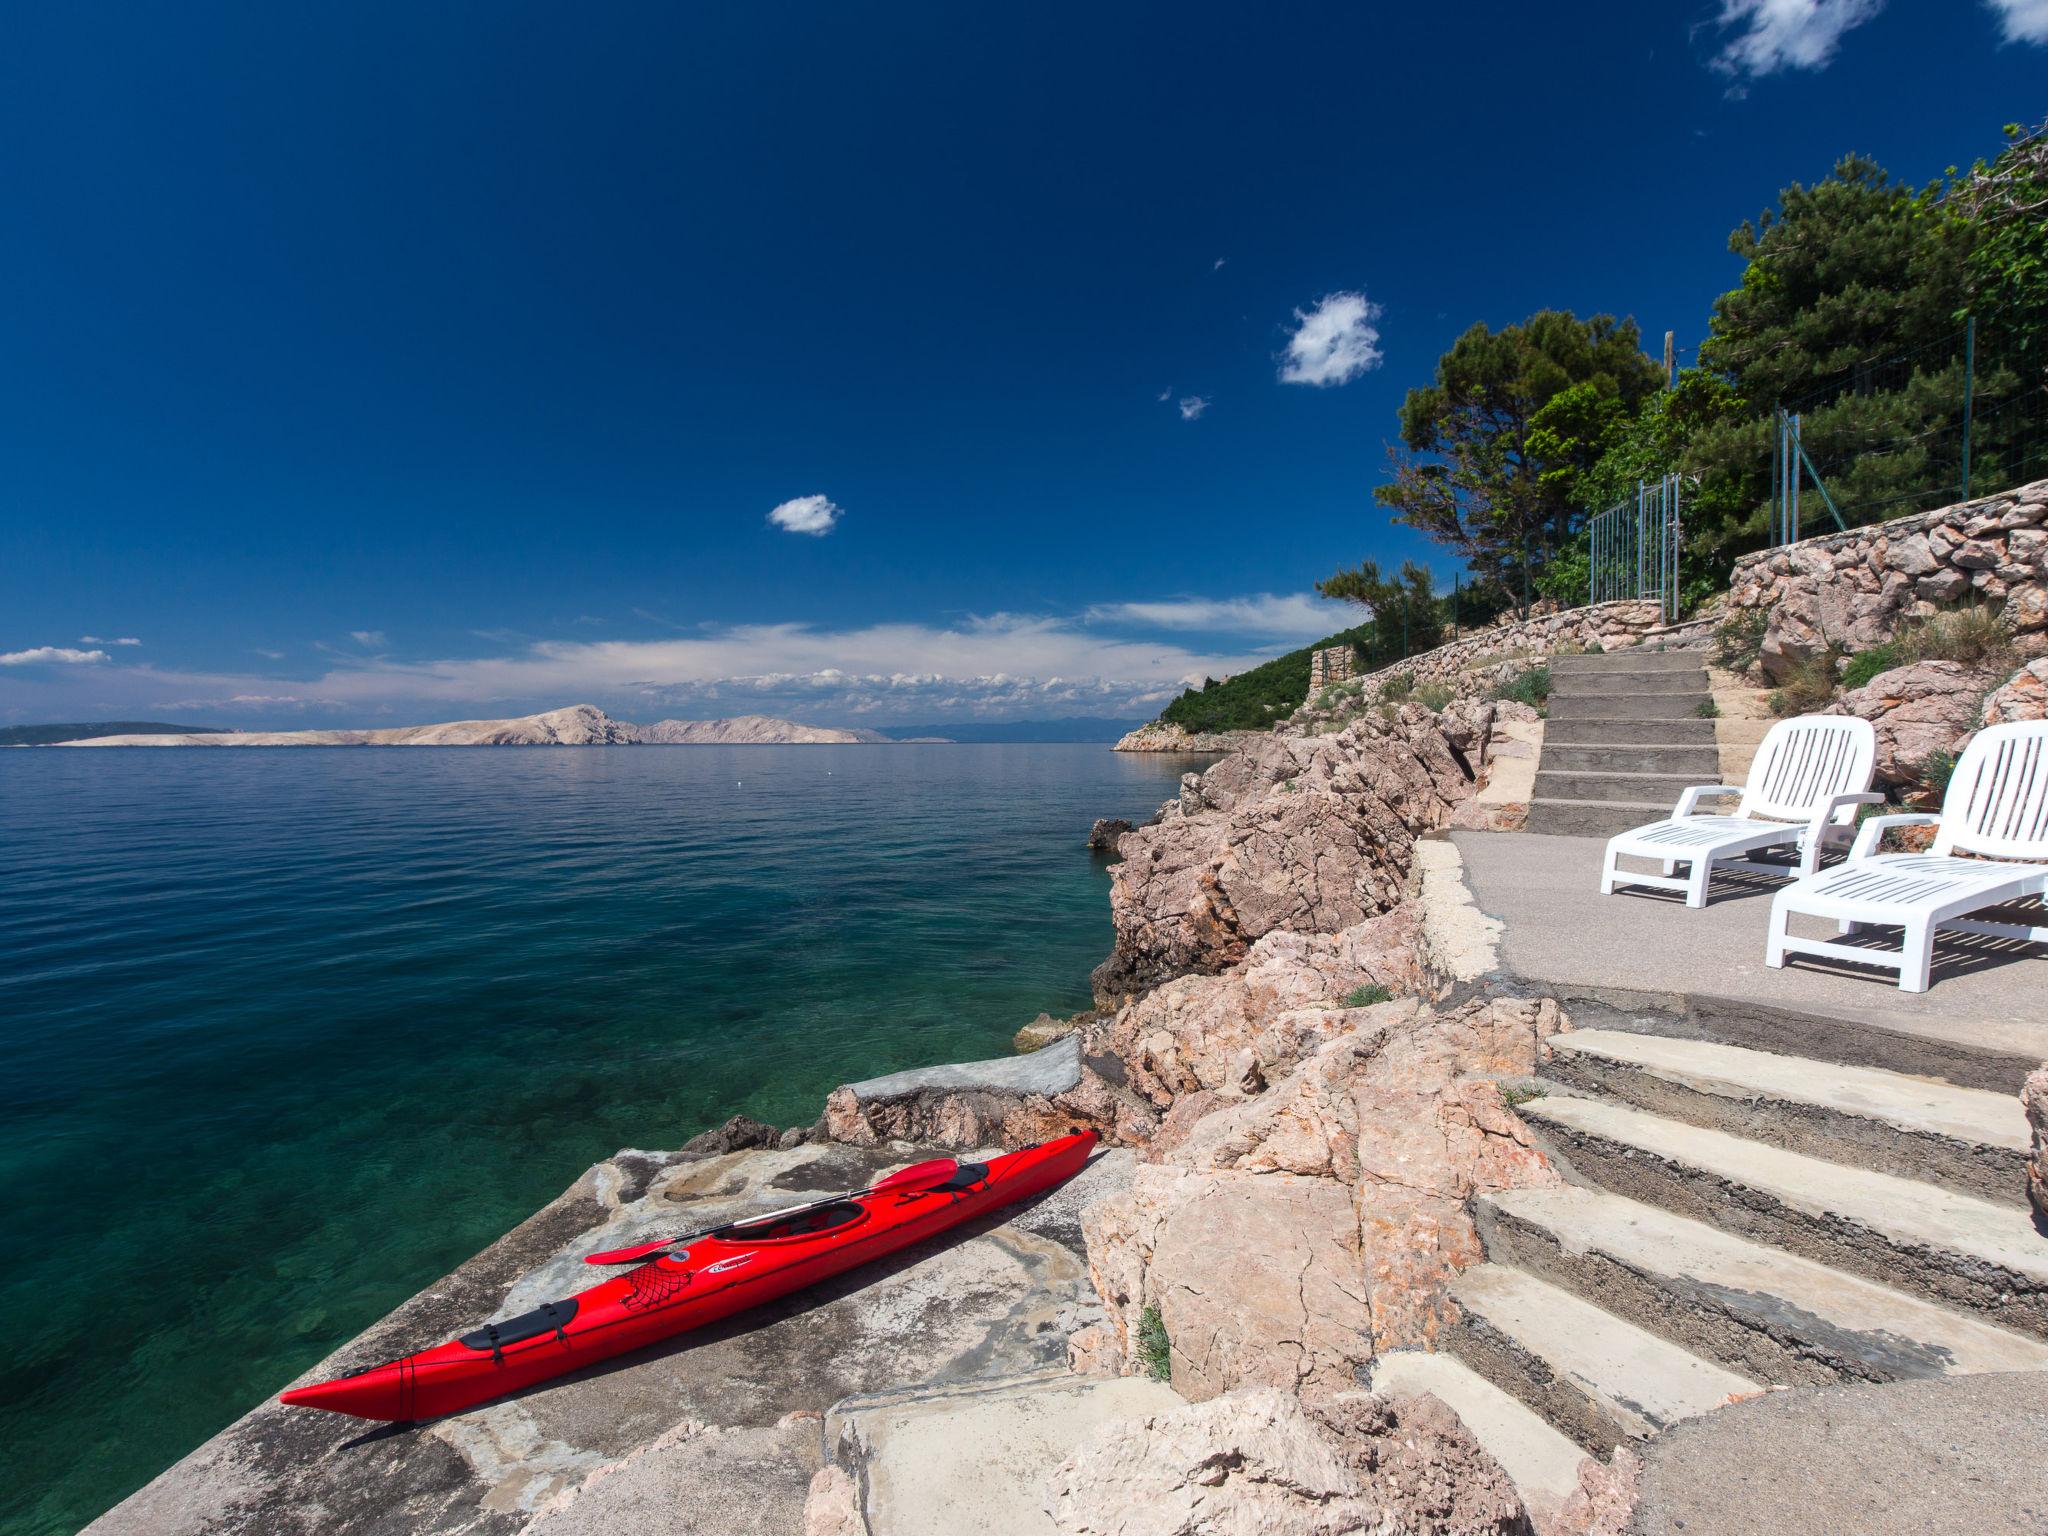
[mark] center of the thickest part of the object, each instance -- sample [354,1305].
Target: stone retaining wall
[1611,626]
[1855,589]
[1331,664]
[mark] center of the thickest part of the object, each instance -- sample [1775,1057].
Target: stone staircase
[1625,735]
[1734,1220]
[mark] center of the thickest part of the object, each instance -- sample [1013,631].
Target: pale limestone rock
[1307,833]
[2023,696]
[1256,1463]
[1187,1034]
[2034,1099]
[832,1507]
[1604,1500]
[1918,711]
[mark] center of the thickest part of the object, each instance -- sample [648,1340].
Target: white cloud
[1333,343]
[1219,265]
[372,638]
[1293,616]
[1166,394]
[2021,21]
[1192,406]
[41,655]
[96,640]
[814,515]
[1778,35]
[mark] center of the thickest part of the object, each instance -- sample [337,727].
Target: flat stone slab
[647,1431]
[1967,1456]
[976,1458]
[1051,1070]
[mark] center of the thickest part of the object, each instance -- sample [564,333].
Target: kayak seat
[965,1176]
[527,1325]
[823,1218]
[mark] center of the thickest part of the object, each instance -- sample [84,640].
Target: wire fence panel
[1963,416]
[1633,548]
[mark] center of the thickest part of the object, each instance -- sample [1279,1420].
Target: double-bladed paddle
[916,1176]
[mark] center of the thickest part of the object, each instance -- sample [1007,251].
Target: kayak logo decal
[725,1264]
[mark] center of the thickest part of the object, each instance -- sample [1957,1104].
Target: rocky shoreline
[1300,1090]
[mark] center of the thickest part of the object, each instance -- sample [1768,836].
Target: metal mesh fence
[1965,415]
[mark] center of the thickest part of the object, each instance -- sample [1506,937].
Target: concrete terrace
[1643,950]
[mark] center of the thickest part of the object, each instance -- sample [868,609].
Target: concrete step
[1599,684]
[1543,1464]
[1599,1379]
[1632,788]
[1698,764]
[1601,730]
[1935,1242]
[1765,1313]
[1637,705]
[1593,818]
[1962,1138]
[1609,663]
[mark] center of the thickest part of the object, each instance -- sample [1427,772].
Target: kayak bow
[723,1271]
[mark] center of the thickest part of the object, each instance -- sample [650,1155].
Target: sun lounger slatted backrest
[1803,762]
[1997,800]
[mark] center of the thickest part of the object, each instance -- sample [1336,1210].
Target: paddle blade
[629,1255]
[919,1175]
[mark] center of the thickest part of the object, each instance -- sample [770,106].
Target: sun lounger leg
[1607,871]
[1696,891]
[1774,946]
[1916,957]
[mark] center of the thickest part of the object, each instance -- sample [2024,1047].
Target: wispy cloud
[814,515]
[50,655]
[1166,394]
[1221,262]
[371,639]
[2021,21]
[1772,36]
[1333,343]
[272,655]
[96,640]
[1292,616]
[1192,406]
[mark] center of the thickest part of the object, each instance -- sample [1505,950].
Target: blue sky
[393,362]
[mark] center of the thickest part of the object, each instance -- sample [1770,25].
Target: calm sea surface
[289,1034]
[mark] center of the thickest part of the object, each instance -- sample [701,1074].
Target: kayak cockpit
[783,1228]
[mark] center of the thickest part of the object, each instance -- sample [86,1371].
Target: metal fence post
[1969,394]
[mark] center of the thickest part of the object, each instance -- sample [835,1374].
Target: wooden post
[1670,359]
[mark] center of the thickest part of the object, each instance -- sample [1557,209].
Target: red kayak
[718,1273]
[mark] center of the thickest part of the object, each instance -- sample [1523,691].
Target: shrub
[1155,1350]
[1708,710]
[1595,648]
[1810,684]
[1398,688]
[1367,995]
[1935,773]
[1739,641]
[1865,665]
[1972,632]
[1434,696]
[1522,1093]
[1530,686]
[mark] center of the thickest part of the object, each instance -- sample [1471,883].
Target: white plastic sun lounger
[1996,807]
[1809,776]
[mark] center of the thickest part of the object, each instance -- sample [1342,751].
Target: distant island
[52,735]
[580,725]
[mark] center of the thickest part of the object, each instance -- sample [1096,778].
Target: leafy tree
[1406,614]
[1854,267]
[1492,452]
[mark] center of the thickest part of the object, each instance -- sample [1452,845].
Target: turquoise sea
[289,1034]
